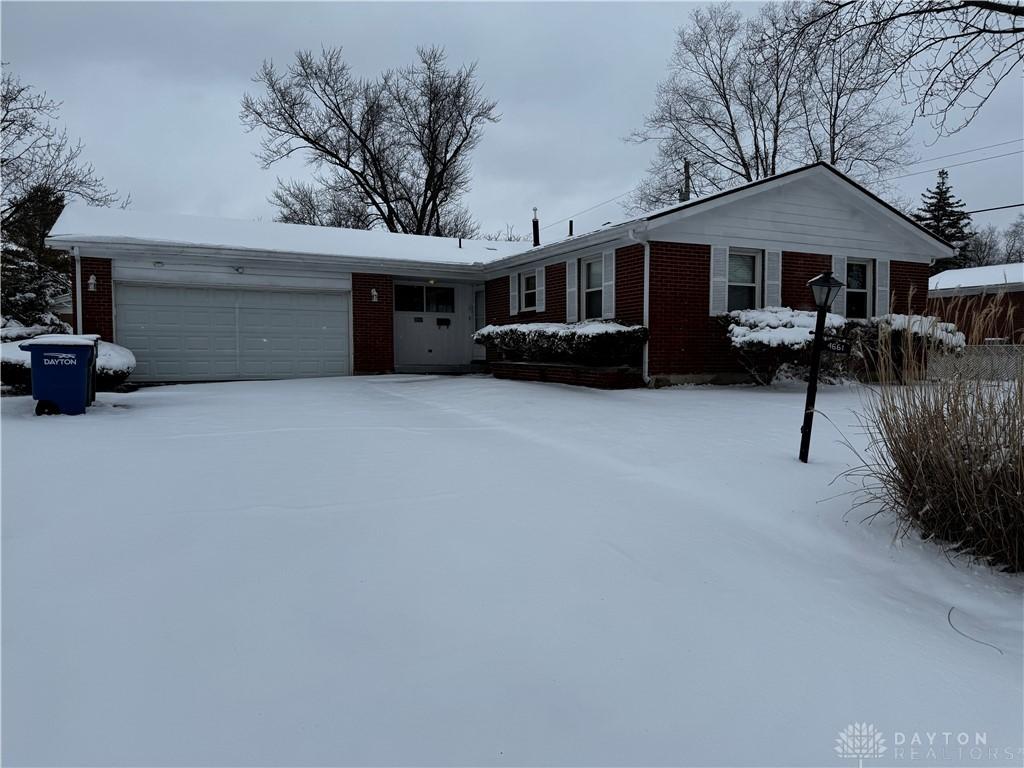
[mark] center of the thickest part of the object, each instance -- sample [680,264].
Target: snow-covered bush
[114,364]
[886,340]
[592,342]
[12,330]
[769,340]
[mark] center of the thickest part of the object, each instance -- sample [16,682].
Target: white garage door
[208,334]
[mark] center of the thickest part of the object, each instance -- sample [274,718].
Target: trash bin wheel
[47,408]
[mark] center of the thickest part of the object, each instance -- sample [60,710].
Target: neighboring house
[204,299]
[63,308]
[987,303]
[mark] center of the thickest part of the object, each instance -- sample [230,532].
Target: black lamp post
[825,289]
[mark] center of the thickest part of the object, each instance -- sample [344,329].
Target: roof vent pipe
[536,229]
[684,193]
[570,227]
[460,242]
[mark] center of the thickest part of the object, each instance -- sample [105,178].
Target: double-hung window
[744,278]
[592,288]
[859,287]
[528,290]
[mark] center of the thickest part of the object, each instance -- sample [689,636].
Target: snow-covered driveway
[418,570]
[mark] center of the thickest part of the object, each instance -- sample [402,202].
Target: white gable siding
[812,215]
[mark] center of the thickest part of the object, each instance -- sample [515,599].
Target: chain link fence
[989,362]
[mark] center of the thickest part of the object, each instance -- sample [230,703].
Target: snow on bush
[591,342]
[12,330]
[777,326]
[943,335]
[114,364]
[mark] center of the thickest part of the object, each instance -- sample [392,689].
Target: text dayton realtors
[949,745]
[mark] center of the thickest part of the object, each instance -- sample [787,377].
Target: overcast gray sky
[153,90]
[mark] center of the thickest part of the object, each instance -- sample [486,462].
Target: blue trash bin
[63,372]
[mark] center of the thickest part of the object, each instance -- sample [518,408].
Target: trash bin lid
[61,339]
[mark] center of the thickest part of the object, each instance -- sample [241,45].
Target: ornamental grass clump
[946,456]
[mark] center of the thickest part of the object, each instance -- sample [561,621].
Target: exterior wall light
[91,283]
[373,295]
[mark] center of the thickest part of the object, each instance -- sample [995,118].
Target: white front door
[430,330]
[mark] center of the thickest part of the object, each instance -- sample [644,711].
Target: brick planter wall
[559,373]
[373,325]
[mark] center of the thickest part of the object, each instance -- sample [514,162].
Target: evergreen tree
[943,213]
[32,275]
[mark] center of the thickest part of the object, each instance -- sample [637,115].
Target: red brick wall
[554,299]
[797,269]
[98,305]
[629,285]
[908,287]
[684,339]
[373,328]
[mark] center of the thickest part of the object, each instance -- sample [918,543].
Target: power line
[966,151]
[954,165]
[997,208]
[891,178]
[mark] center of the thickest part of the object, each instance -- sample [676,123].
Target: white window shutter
[608,286]
[839,273]
[773,278]
[572,304]
[540,289]
[881,288]
[513,294]
[719,280]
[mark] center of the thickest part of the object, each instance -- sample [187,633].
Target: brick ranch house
[204,299]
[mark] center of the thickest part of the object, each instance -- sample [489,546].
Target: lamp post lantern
[825,289]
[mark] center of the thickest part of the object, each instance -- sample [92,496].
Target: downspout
[78,289]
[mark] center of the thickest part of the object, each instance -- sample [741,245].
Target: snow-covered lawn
[418,570]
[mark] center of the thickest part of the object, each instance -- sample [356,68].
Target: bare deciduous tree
[746,100]
[842,97]
[391,152]
[36,154]
[1013,241]
[508,235]
[948,55]
[985,247]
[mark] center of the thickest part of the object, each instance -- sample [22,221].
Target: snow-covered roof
[978,277]
[80,224]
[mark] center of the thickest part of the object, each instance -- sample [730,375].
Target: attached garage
[186,333]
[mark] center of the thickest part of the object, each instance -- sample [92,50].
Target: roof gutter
[221,253]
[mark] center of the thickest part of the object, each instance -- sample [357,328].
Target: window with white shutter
[719,303]
[513,294]
[839,272]
[592,288]
[608,288]
[881,287]
[541,299]
[572,312]
[744,276]
[773,278]
[528,290]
